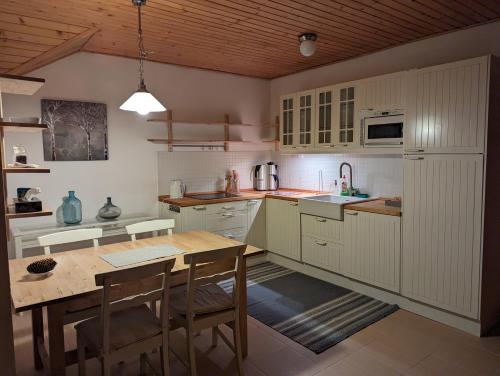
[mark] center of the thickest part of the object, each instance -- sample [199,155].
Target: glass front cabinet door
[306,118]
[347,127]
[325,117]
[287,119]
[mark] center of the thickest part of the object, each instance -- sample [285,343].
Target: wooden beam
[66,48]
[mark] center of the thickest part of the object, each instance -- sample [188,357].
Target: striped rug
[312,312]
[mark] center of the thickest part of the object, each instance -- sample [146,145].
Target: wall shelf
[30,127]
[25,170]
[42,213]
[182,122]
[11,84]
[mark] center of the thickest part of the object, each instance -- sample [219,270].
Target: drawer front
[226,221]
[226,207]
[323,228]
[321,253]
[238,234]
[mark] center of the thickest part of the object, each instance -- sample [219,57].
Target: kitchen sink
[328,206]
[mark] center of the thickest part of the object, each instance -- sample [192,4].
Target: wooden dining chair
[126,326]
[71,236]
[203,304]
[150,226]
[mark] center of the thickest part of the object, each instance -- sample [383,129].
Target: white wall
[130,174]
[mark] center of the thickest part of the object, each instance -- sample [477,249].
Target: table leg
[38,335]
[243,309]
[55,315]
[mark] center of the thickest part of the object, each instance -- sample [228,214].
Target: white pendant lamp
[307,44]
[142,101]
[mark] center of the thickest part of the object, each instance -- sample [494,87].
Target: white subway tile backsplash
[205,171]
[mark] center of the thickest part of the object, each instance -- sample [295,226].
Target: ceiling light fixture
[307,44]
[142,101]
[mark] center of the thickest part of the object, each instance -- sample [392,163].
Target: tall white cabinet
[442,231]
[283,228]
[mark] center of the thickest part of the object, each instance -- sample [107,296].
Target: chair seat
[126,327]
[207,299]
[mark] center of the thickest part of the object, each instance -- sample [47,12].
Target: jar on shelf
[19,155]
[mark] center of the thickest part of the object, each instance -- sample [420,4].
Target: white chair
[150,226]
[71,236]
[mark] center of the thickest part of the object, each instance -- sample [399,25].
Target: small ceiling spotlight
[307,44]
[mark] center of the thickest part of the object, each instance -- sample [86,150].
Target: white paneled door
[442,231]
[446,108]
[372,248]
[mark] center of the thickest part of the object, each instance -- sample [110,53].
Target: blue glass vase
[72,209]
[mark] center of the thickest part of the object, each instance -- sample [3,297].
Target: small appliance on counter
[177,189]
[265,177]
[26,202]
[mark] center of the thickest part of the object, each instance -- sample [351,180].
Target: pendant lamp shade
[142,102]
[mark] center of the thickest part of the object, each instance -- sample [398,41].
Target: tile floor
[401,344]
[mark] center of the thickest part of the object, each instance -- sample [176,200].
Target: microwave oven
[384,131]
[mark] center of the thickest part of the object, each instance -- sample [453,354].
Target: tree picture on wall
[76,131]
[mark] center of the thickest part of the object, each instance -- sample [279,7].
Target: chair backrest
[214,266]
[150,226]
[70,236]
[155,285]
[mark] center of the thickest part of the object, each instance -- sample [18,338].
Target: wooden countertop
[377,206]
[289,194]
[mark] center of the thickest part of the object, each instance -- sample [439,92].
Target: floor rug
[312,312]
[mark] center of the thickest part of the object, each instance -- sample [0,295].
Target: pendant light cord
[142,50]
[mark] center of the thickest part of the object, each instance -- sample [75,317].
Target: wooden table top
[74,274]
[375,206]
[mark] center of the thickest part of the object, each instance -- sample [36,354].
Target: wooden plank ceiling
[255,38]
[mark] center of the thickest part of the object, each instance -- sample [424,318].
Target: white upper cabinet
[325,117]
[347,120]
[306,118]
[446,108]
[287,121]
[383,93]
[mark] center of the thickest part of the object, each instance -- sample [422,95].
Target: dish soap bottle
[344,188]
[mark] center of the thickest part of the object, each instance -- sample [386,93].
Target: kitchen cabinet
[322,242]
[186,218]
[297,120]
[383,93]
[283,228]
[256,223]
[347,119]
[372,248]
[446,111]
[325,117]
[287,121]
[442,224]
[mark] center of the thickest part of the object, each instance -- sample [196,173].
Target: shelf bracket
[170,131]
[226,132]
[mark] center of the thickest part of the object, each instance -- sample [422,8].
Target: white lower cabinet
[372,248]
[256,211]
[283,228]
[321,253]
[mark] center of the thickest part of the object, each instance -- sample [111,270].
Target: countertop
[377,206]
[246,194]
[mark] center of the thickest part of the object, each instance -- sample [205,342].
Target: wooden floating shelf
[42,213]
[217,123]
[26,170]
[11,84]
[200,142]
[10,125]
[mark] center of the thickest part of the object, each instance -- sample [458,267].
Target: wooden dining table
[70,294]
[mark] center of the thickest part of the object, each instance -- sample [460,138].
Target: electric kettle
[177,189]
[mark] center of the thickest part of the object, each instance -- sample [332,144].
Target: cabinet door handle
[227,215]
[321,219]
[414,158]
[229,236]
[415,150]
[323,244]
[293,204]
[228,207]
[199,208]
[252,202]
[348,213]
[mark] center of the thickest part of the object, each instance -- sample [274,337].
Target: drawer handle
[351,213]
[415,150]
[199,208]
[252,202]
[293,204]
[321,219]
[227,215]
[323,244]
[228,207]
[415,158]
[229,236]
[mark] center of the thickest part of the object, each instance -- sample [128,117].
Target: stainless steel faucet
[350,175]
